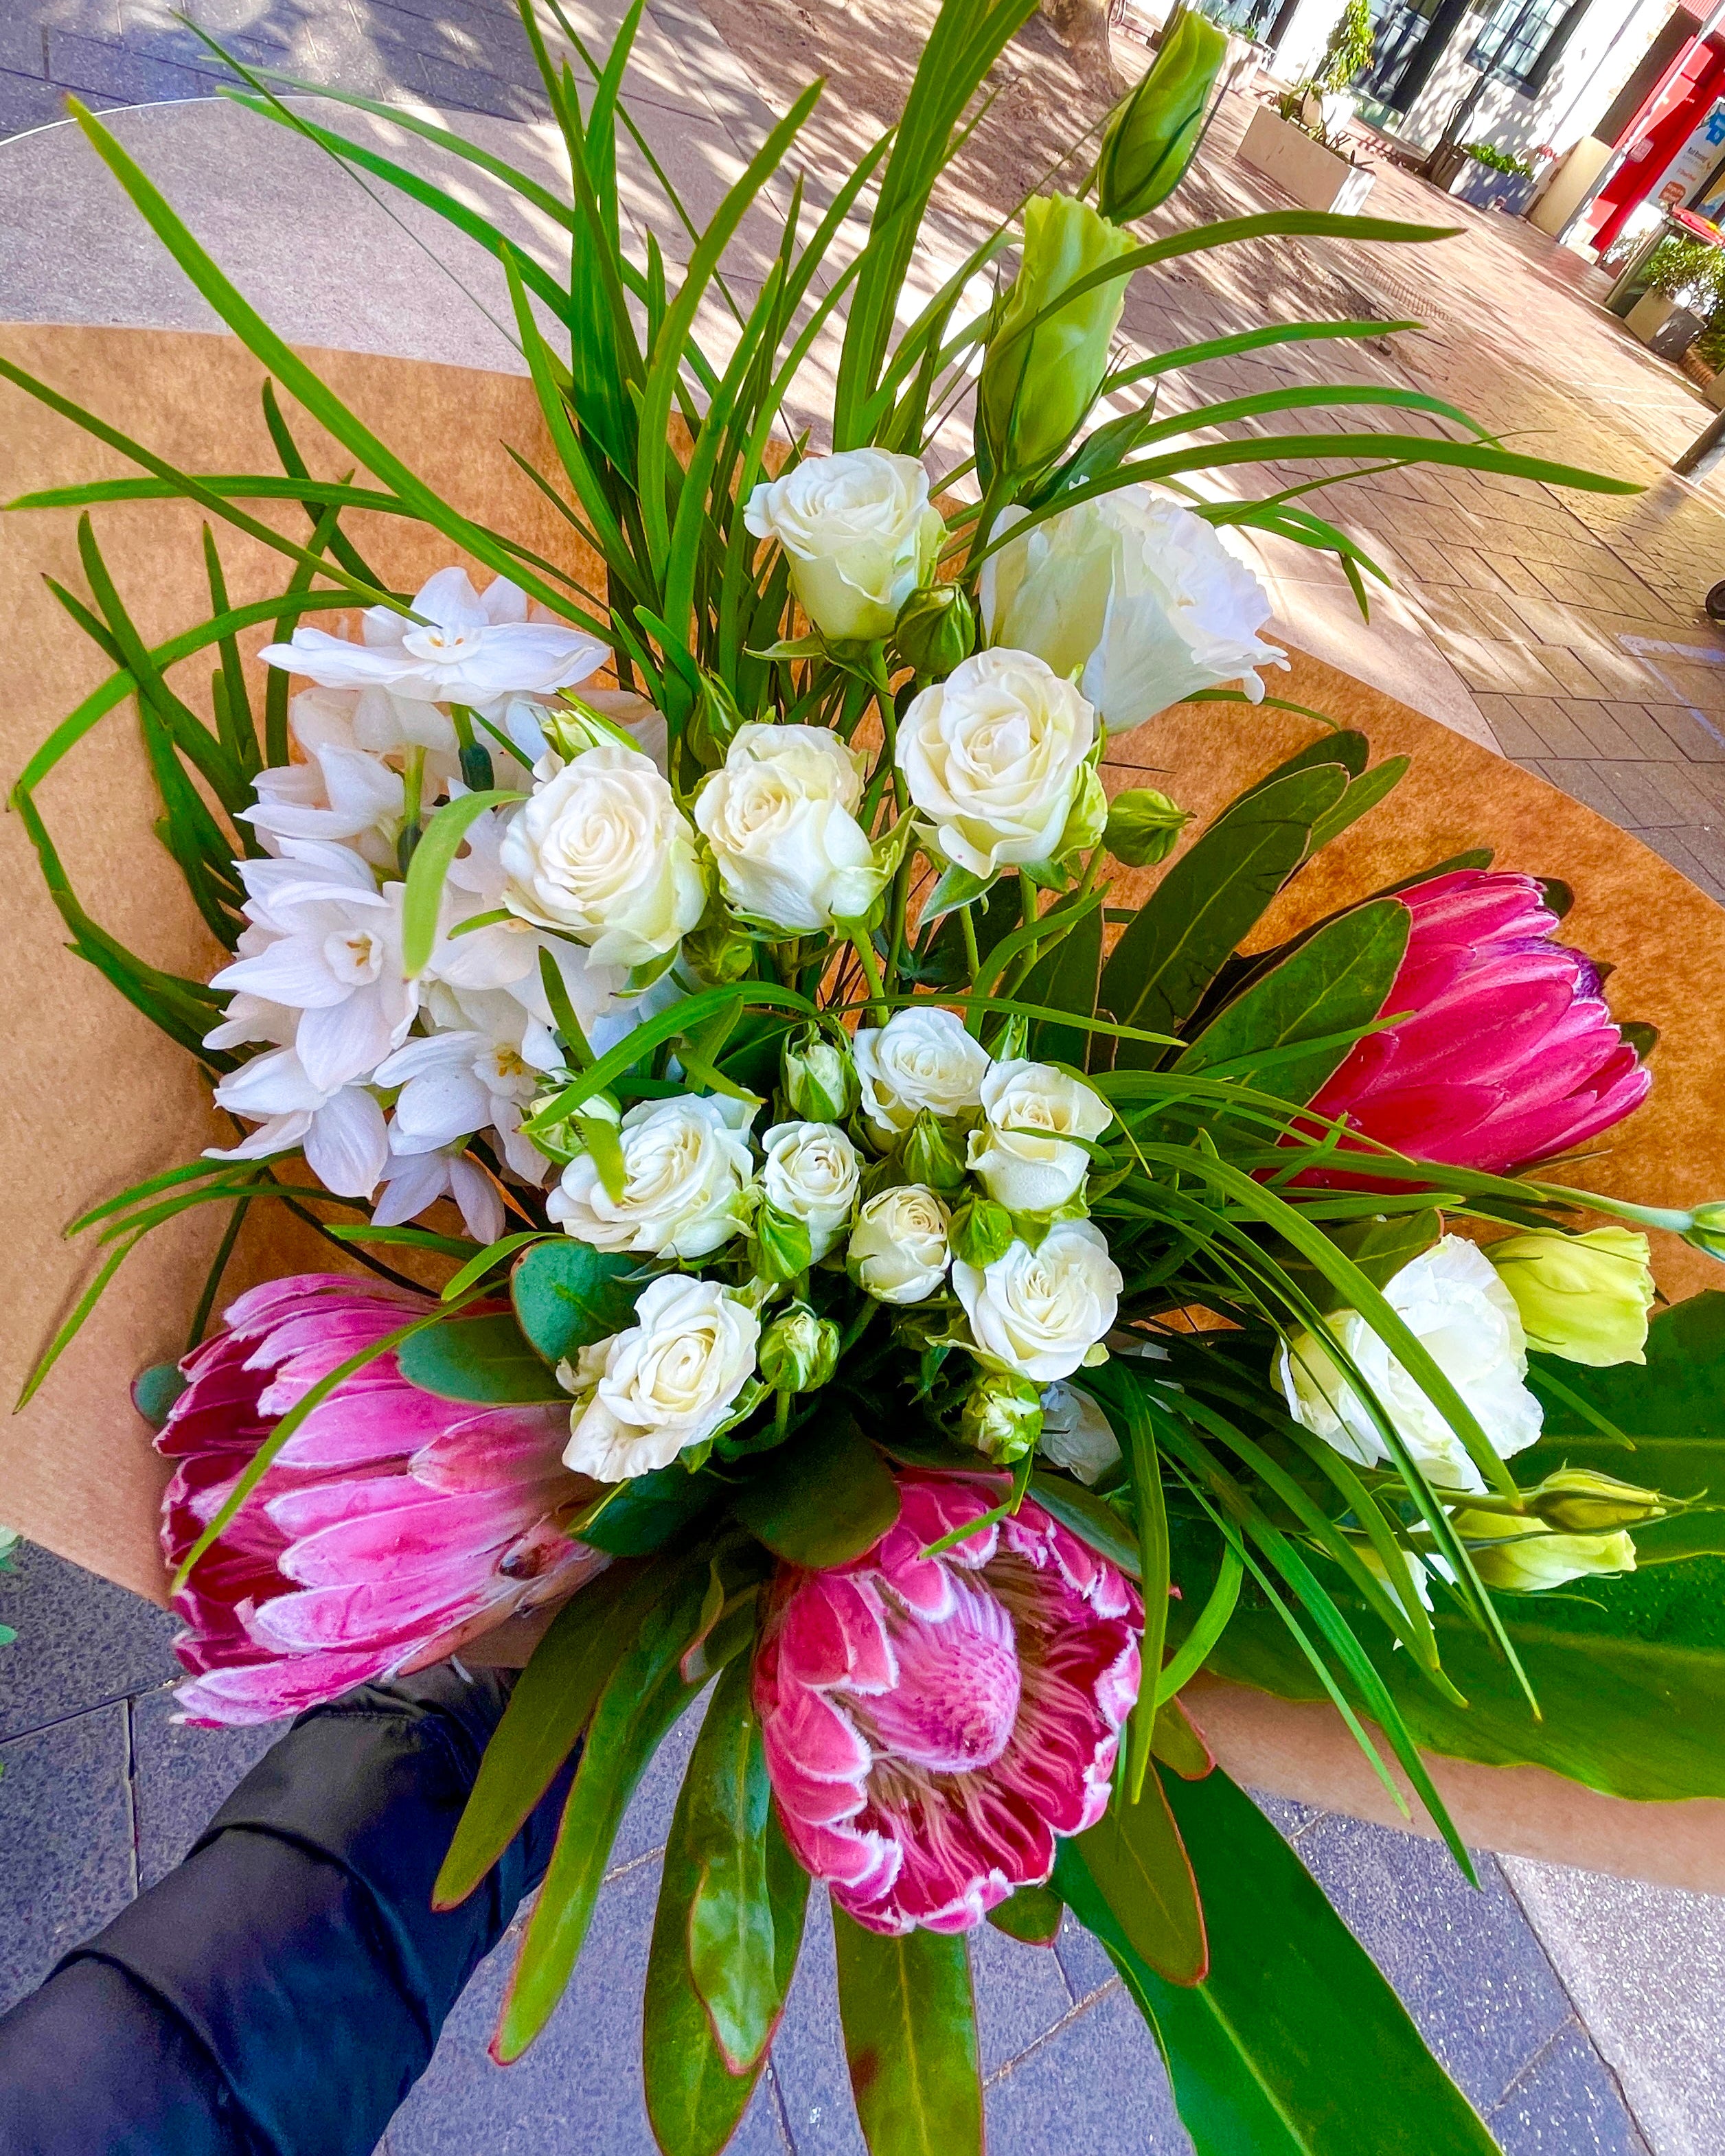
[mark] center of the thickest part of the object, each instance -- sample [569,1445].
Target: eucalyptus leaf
[479,1358]
[568,1296]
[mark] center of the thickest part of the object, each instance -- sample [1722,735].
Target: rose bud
[1001,1416]
[799,1352]
[935,628]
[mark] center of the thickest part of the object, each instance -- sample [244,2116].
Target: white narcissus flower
[1041,1312]
[469,648]
[326,942]
[858,531]
[811,1173]
[921,1058]
[1136,596]
[341,1131]
[602,851]
[1450,1298]
[455,1083]
[1035,1173]
[413,1182]
[781,818]
[993,755]
[1076,1435]
[898,1251]
[667,1382]
[687,1164]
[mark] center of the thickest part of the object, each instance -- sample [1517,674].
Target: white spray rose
[781,820]
[921,1058]
[1137,592]
[1035,1174]
[1076,1435]
[898,1249]
[993,755]
[602,851]
[668,1383]
[1040,1311]
[860,533]
[686,1163]
[1450,1298]
[811,1173]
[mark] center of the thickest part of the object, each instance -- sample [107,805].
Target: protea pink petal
[993,1730]
[345,1562]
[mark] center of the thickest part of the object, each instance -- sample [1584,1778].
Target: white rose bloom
[898,1249]
[1076,1435]
[992,756]
[666,1383]
[686,1163]
[858,531]
[1452,1301]
[1035,1174]
[1136,592]
[1040,1311]
[602,851]
[811,1173]
[781,818]
[469,648]
[921,1058]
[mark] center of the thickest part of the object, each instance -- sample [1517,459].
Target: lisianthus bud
[982,1231]
[1150,143]
[1576,1500]
[930,1156]
[1523,1556]
[1584,1297]
[1144,827]
[799,1351]
[935,628]
[1038,384]
[818,1077]
[1003,1416]
[1706,1228]
[779,1244]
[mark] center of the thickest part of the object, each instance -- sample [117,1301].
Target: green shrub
[1500,160]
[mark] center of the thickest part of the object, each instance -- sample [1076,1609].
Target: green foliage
[1501,161]
[909,2016]
[1348,52]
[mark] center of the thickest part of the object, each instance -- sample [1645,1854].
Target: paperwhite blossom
[342,1133]
[470,649]
[457,1083]
[667,1383]
[1138,593]
[860,534]
[412,1183]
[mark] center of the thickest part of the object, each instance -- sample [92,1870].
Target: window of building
[1520,40]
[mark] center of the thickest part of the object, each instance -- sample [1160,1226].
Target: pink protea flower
[1510,1055]
[930,1724]
[392,1526]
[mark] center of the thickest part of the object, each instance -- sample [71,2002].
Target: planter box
[1664,327]
[1315,176]
[1488,188]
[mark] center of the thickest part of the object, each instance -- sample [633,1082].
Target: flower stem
[871,973]
[973,958]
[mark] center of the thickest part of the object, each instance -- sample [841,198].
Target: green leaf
[633,1518]
[1089,1516]
[1208,902]
[547,1712]
[1333,984]
[909,2016]
[1139,1864]
[822,1499]
[1362,796]
[478,1359]
[1031,1915]
[642,1699]
[1065,979]
[1293,2044]
[568,1296]
[432,859]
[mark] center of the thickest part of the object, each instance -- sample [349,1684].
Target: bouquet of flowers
[871,1246]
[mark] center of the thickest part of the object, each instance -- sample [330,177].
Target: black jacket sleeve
[281,1991]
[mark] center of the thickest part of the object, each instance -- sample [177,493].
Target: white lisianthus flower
[858,531]
[687,1164]
[1450,1298]
[324,942]
[781,818]
[921,1058]
[811,1173]
[668,1382]
[341,1131]
[413,1182]
[993,755]
[469,648]
[898,1251]
[1076,1435]
[1035,1174]
[1137,596]
[602,851]
[1041,1312]
[1526,1557]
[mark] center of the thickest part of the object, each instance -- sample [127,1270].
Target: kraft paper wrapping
[97,1099]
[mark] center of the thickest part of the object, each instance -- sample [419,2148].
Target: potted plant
[1300,142]
[1490,179]
[1686,282]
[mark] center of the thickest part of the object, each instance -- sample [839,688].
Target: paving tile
[1021,1993]
[26,101]
[1514,736]
[1556,729]
[83,64]
[1466,1964]
[22,48]
[1097,2085]
[1695,738]
[80,1641]
[1566,2103]
[579,2086]
[1675,848]
[66,1802]
[1587,783]
[181,1776]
